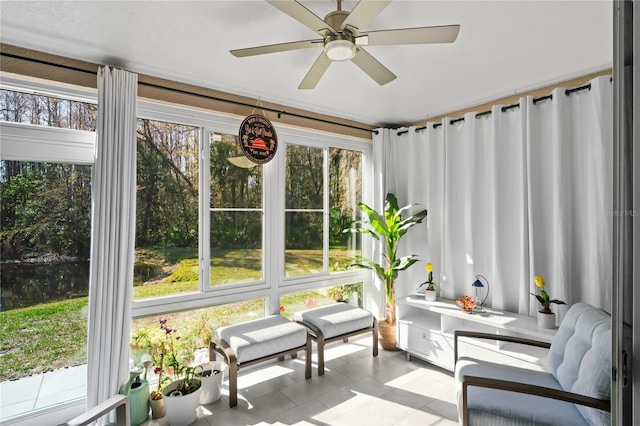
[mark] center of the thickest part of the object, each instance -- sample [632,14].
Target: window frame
[23,141]
[33,143]
[274,222]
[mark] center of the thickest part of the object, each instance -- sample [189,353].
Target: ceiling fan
[343,40]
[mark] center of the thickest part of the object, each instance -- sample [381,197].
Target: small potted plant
[155,397]
[546,317]
[430,286]
[181,396]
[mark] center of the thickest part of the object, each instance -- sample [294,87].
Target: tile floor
[356,389]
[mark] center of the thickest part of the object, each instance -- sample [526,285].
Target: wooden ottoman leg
[307,361]
[375,337]
[229,357]
[233,377]
[320,345]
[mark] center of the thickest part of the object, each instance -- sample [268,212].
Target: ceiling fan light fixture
[340,50]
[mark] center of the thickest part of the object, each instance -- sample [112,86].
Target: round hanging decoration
[258,139]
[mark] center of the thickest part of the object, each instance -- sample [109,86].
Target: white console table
[425,330]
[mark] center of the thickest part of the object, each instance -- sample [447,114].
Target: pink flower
[312,303]
[281,308]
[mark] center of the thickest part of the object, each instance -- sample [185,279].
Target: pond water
[28,284]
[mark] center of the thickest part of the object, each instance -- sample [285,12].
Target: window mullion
[204,249]
[325,208]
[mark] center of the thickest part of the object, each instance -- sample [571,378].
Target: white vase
[157,408]
[211,374]
[546,320]
[430,295]
[181,410]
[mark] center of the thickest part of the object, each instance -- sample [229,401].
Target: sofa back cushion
[580,357]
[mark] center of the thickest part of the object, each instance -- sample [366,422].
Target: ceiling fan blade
[274,48]
[303,15]
[315,73]
[363,12]
[242,162]
[421,35]
[373,67]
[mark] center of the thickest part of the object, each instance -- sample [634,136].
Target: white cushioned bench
[337,321]
[252,342]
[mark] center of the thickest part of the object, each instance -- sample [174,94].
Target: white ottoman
[252,342]
[338,321]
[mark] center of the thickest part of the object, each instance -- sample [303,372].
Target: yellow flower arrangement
[543,297]
[430,284]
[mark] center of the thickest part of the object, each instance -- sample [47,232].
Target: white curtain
[485,207]
[413,186]
[112,235]
[570,166]
[522,191]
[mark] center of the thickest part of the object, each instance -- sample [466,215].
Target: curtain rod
[506,108]
[186,92]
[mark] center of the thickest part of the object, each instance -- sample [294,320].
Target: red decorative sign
[258,139]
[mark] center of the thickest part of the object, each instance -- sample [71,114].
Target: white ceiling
[504,47]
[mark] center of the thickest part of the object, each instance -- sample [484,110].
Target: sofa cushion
[336,319]
[580,357]
[263,337]
[498,407]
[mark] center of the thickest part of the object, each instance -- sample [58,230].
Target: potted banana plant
[388,228]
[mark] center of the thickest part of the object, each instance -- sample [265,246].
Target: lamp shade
[477,283]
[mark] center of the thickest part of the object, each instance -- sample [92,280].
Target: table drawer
[431,346]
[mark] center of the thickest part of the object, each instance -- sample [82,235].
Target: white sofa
[576,390]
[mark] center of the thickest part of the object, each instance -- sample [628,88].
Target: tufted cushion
[497,407]
[579,361]
[336,319]
[580,357]
[263,337]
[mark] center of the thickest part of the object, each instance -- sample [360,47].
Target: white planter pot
[181,410]
[546,320]
[211,374]
[430,295]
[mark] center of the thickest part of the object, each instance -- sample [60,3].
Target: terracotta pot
[387,334]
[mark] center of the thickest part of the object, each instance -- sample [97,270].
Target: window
[45,188]
[306,217]
[345,192]
[236,214]
[167,209]
[46,226]
[304,208]
[41,110]
[259,230]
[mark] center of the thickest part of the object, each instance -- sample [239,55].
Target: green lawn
[43,338]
